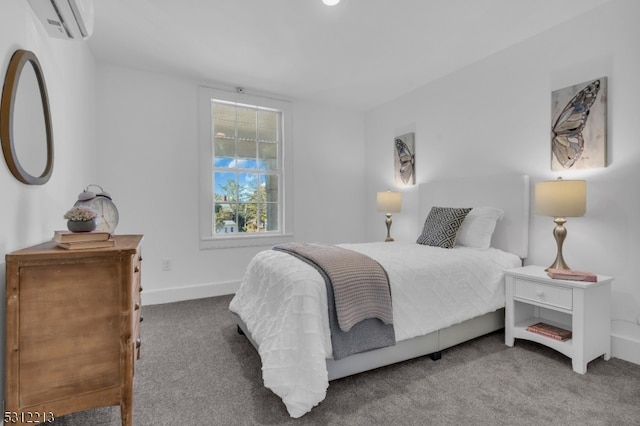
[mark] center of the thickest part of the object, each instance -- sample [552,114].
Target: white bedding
[283,303]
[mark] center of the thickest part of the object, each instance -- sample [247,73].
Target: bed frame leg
[435,356]
[240,332]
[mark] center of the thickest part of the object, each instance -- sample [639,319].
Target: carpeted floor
[196,370]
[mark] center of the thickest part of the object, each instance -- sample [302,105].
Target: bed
[441,297]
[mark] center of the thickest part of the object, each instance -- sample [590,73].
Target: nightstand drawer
[544,294]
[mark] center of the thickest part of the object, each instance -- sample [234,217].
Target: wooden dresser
[72,329]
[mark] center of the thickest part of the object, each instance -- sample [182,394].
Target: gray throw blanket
[358,296]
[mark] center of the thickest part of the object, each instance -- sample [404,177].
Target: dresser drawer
[543,294]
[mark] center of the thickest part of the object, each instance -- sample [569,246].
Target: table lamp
[389,202]
[561,199]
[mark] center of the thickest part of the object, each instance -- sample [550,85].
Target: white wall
[30,214]
[148,161]
[494,117]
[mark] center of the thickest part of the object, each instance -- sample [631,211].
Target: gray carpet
[196,370]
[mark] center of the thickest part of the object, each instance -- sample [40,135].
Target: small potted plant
[81,219]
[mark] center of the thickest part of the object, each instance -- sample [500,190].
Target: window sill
[244,241]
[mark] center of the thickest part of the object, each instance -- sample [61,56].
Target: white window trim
[207,240]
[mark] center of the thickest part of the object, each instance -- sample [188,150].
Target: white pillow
[478,226]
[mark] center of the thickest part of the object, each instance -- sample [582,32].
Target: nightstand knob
[539,293]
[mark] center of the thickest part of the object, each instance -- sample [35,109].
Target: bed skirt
[429,344]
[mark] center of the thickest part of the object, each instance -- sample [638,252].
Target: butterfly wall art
[579,126]
[404,147]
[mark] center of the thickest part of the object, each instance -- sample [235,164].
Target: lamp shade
[389,201]
[561,198]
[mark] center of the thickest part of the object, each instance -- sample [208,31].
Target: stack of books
[83,240]
[551,331]
[572,275]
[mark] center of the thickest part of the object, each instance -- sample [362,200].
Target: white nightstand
[582,307]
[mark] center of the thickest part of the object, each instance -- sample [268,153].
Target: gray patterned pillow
[441,227]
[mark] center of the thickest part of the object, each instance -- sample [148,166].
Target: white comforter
[283,302]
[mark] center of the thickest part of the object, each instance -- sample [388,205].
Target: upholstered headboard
[508,192]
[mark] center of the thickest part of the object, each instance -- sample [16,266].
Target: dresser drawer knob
[136,306]
[141,319]
[539,293]
[136,269]
[138,342]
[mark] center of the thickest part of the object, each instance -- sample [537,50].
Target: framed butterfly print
[404,157]
[579,126]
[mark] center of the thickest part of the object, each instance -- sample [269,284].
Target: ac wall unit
[67,19]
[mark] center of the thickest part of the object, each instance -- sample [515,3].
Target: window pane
[224,120]
[249,214]
[225,218]
[247,218]
[269,185]
[270,214]
[225,186]
[247,187]
[225,152]
[268,155]
[268,125]
[246,123]
[247,152]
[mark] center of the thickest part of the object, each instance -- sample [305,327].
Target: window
[244,145]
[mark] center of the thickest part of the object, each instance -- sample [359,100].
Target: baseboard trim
[625,341]
[198,291]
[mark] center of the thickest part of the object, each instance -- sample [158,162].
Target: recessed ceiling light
[330,2]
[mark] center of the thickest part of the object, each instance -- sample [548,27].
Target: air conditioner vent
[67,19]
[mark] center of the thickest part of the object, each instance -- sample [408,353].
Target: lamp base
[559,233]
[558,264]
[388,222]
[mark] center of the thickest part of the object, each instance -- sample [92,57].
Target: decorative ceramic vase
[81,225]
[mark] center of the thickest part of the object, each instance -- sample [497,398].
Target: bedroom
[110,119]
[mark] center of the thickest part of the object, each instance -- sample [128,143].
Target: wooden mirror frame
[18,61]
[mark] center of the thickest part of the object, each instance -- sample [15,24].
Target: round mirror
[25,121]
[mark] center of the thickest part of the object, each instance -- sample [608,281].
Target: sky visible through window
[244,180]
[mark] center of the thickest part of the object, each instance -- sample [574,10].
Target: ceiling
[358,54]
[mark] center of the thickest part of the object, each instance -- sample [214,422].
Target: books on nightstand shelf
[549,330]
[571,275]
[83,240]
